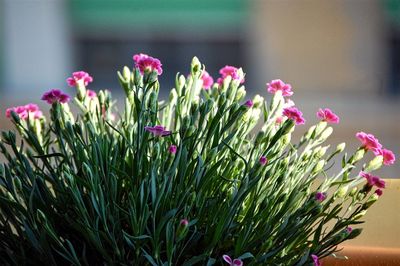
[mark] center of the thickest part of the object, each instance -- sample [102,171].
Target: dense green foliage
[90,190]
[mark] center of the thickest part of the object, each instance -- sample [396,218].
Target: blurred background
[341,54]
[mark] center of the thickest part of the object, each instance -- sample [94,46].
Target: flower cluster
[189,180]
[370,142]
[25,111]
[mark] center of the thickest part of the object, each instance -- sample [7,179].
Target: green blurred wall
[158,14]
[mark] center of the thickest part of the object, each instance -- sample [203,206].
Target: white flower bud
[318,167]
[358,156]
[325,135]
[340,147]
[309,132]
[360,215]
[320,127]
[240,94]
[374,164]
[258,101]
[342,191]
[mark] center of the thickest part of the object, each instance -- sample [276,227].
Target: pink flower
[158,130]
[315,260]
[349,229]
[208,81]
[146,63]
[230,71]
[25,111]
[388,156]
[373,180]
[263,160]
[379,183]
[278,85]
[172,149]
[184,222]
[369,142]
[235,262]
[55,95]
[249,103]
[77,76]
[294,114]
[328,116]
[379,192]
[320,196]
[91,94]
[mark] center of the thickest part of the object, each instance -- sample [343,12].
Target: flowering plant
[205,177]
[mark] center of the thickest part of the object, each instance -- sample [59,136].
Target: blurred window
[392,12]
[107,34]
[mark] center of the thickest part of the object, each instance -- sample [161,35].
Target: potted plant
[203,178]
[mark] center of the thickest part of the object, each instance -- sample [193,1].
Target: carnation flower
[373,180]
[388,156]
[379,192]
[25,111]
[368,141]
[320,196]
[55,95]
[263,160]
[294,114]
[328,116]
[230,71]
[278,85]
[235,262]
[79,76]
[208,81]
[172,149]
[146,63]
[158,130]
[249,103]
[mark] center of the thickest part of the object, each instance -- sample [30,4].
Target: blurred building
[340,54]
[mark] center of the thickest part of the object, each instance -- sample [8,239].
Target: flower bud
[309,133]
[307,155]
[360,215]
[371,200]
[286,139]
[340,147]
[341,192]
[320,127]
[180,83]
[225,84]
[258,101]
[318,167]
[357,156]
[126,74]
[240,94]
[374,164]
[321,152]
[277,101]
[325,134]
[195,67]
[353,191]
[182,229]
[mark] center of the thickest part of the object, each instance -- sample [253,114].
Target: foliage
[91,189]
